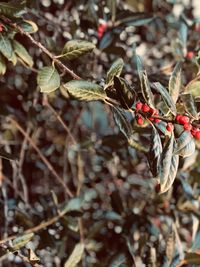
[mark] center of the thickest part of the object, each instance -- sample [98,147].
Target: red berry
[178,117]
[101,29]
[151,119]
[187,126]
[183,120]
[169,127]
[190,55]
[146,108]
[140,121]
[197,135]
[139,106]
[157,120]
[194,131]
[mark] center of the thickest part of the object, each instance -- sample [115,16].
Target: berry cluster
[185,121]
[149,113]
[101,29]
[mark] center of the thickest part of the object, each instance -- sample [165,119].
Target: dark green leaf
[112,4]
[118,261]
[84,90]
[165,166]
[73,207]
[175,82]
[166,97]
[12,9]
[192,258]
[76,48]
[5,47]
[28,26]
[115,70]
[189,103]
[122,122]
[76,256]
[138,19]
[185,145]
[48,79]
[155,151]
[125,92]
[107,40]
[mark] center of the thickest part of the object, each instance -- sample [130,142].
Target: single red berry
[197,135]
[190,55]
[194,131]
[139,106]
[1,27]
[146,108]
[187,126]
[169,127]
[178,117]
[101,29]
[183,120]
[151,119]
[157,120]
[140,121]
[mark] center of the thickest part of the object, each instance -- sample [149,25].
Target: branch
[43,158]
[44,50]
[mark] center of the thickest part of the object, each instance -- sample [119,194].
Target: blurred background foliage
[117,213]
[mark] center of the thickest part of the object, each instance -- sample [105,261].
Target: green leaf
[5,47]
[48,79]
[146,90]
[12,9]
[194,88]
[175,82]
[107,40]
[21,51]
[118,261]
[84,90]
[166,172]
[189,103]
[122,122]
[73,207]
[2,65]
[76,256]
[28,26]
[115,70]
[172,174]
[125,92]
[166,97]
[138,19]
[76,48]
[21,241]
[155,151]
[185,145]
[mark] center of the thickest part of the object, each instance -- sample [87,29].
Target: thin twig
[43,158]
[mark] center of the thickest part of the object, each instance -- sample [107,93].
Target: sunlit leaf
[48,79]
[28,26]
[75,257]
[194,88]
[12,9]
[146,90]
[21,241]
[185,145]
[2,65]
[21,51]
[85,90]
[175,82]
[166,97]
[115,70]
[189,103]
[76,48]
